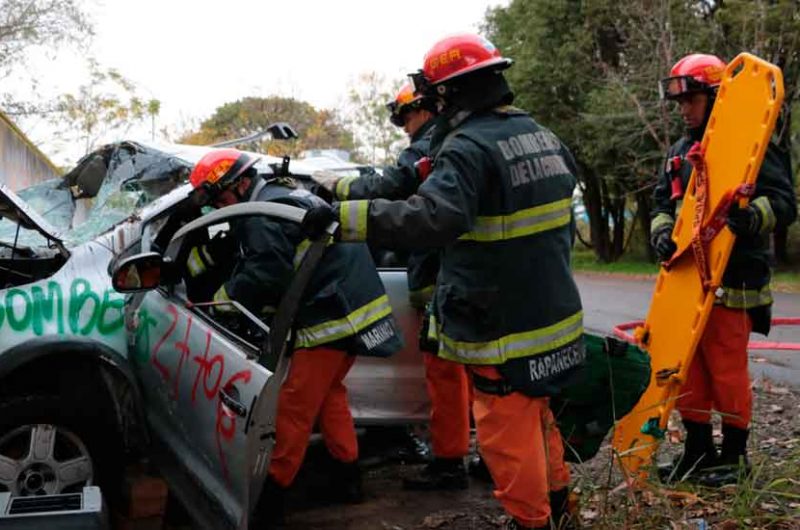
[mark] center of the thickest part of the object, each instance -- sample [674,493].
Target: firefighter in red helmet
[344,312]
[718,377]
[447,382]
[498,204]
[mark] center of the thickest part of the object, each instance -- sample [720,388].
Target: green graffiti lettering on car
[79,294]
[44,307]
[15,321]
[104,326]
[141,353]
[41,309]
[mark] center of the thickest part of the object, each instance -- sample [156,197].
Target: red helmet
[455,56]
[220,168]
[404,101]
[697,72]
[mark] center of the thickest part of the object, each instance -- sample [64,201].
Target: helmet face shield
[675,87]
[420,84]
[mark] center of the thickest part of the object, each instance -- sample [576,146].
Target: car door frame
[260,427]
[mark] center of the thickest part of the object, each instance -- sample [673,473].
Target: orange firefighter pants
[522,447]
[449,390]
[718,377]
[313,390]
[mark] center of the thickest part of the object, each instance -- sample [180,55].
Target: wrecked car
[81,386]
[91,378]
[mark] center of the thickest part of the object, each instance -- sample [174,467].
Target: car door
[210,400]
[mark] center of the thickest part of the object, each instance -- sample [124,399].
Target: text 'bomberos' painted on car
[76,308]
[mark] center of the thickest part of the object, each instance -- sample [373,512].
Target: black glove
[323,193]
[663,244]
[745,221]
[317,220]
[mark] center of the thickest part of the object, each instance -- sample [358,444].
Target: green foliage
[317,128]
[589,71]
[107,103]
[377,140]
[25,24]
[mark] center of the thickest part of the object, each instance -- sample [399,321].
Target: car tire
[70,435]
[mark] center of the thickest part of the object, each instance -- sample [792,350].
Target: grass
[584,260]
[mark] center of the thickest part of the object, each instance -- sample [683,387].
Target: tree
[377,139]
[44,23]
[317,129]
[589,71]
[102,109]
[26,25]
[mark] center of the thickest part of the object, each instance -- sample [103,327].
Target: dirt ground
[769,500]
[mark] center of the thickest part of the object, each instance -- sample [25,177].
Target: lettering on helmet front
[445,58]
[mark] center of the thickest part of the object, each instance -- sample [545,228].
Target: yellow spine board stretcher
[736,138]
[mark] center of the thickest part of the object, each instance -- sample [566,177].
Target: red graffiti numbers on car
[206,370]
[211,370]
[154,357]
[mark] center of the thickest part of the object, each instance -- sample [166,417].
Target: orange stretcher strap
[704,230]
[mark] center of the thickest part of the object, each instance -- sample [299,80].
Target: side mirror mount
[282,131]
[140,272]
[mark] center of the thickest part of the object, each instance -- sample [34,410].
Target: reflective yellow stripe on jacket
[301,249]
[744,298]
[342,189]
[353,220]
[513,346]
[521,223]
[662,221]
[351,324]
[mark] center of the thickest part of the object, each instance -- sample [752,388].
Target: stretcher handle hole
[735,68]
[773,87]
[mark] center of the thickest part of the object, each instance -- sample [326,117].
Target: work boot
[270,510]
[732,462]
[476,467]
[699,452]
[345,480]
[440,474]
[560,513]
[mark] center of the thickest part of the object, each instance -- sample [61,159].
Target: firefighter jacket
[397,183]
[498,204]
[745,283]
[345,305]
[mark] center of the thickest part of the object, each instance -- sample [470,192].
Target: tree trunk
[598,224]
[643,209]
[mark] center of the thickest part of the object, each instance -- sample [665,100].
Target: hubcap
[43,460]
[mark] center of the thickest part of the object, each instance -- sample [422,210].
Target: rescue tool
[726,165]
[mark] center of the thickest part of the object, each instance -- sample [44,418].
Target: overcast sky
[196,55]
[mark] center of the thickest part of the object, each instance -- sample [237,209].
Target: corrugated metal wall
[21,163]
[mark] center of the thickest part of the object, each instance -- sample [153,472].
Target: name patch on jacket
[554,363]
[377,335]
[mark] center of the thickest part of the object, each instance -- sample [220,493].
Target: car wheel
[51,445]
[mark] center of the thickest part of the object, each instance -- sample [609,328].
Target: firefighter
[344,312]
[447,382]
[498,204]
[718,377]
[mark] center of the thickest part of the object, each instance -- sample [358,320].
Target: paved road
[611,300]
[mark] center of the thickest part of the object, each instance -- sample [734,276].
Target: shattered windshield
[52,200]
[105,188]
